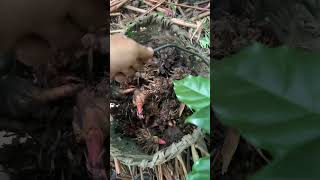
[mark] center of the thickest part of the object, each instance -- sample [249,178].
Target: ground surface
[232,31]
[163,114]
[162,108]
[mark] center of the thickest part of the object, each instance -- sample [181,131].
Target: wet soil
[161,108]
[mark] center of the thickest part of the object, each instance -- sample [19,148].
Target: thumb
[144,53]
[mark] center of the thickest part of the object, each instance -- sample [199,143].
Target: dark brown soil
[161,107]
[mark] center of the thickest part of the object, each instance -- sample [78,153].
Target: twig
[207,13]
[181,11]
[154,1]
[160,172]
[132,8]
[181,108]
[187,6]
[141,174]
[199,24]
[188,13]
[154,7]
[115,14]
[202,2]
[193,7]
[194,153]
[116,31]
[202,150]
[158,8]
[117,166]
[182,164]
[183,23]
[113,8]
[131,172]
[184,5]
[115,2]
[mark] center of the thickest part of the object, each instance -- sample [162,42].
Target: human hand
[126,57]
[20,98]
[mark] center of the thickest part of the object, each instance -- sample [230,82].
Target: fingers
[129,72]
[124,74]
[48,95]
[127,57]
[144,53]
[119,77]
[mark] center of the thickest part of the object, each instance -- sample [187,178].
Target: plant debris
[151,115]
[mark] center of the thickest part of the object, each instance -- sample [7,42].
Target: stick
[207,13]
[115,14]
[197,29]
[158,8]
[154,7]
[132,8]
[193,7]
[183,23]
[116,31]
[113,8]
[141,174]
[195,155]
[160,172]
[117,166]
[115,2]
[202,2]
[187,6]
[182,164]
[181,11]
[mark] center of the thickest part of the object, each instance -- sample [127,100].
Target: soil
[160,108]
[232,31]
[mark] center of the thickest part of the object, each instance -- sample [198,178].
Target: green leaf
[200,169]
[205,42]
[201,119]
[300,163]
[193,91]
[272,96]
[160,14]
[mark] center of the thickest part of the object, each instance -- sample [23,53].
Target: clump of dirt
[232,32]
[149,112]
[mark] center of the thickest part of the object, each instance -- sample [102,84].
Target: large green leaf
[201,119]
[193,91]
[271,95]
[200,169]
[300,163]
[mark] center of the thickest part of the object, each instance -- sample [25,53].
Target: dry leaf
[181,108]
[229,147]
